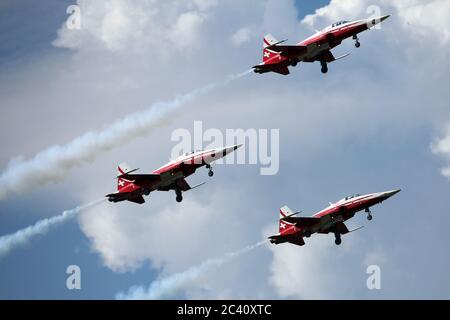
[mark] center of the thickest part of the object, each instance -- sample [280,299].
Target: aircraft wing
[302,221]
[141,179]
[327,56]
[339,227]
[182,184]
[288,51]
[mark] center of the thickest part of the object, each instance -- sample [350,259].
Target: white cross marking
[267,54]
[121,183]
[282,225]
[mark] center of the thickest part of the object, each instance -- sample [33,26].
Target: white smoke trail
[12,241]
[53,163]
[166,287]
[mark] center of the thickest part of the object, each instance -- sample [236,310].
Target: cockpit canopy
[338,23]
[352,196]
[188,153]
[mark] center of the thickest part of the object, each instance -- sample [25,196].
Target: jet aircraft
[133,186]
[293,229]
[277,57]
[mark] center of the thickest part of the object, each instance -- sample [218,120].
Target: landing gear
[369,215]
[338,239]
[294,62]
[307,233]
[210,172]
[324,65]
[146,191]
[357,44]
[179,197]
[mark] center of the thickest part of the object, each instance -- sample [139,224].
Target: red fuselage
[344,209]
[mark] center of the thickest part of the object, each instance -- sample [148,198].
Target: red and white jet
[132,186]
[277,57]
[329,220]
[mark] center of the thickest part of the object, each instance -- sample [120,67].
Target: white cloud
[336,11]
[184,32]
[167,287]
[313,271]
[375,257]
[127,236]
[425,19]
[441,146]
[119,65]
[295,269]
[126,241]
[119,25]
[205,5]
[241,36]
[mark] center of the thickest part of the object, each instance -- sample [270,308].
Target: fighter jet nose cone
[392,192]
[227,150]
[377,20]
[384,17]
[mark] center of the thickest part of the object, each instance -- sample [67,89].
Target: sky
[378,120]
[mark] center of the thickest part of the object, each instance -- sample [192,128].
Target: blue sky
[367,126]
[28,28]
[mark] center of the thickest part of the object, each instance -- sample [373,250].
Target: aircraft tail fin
[268,41]
[284,212]
[121,182]
[123,168]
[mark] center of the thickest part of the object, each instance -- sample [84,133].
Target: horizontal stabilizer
[123,196]
[263,68]
[294,239]
[114,196]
